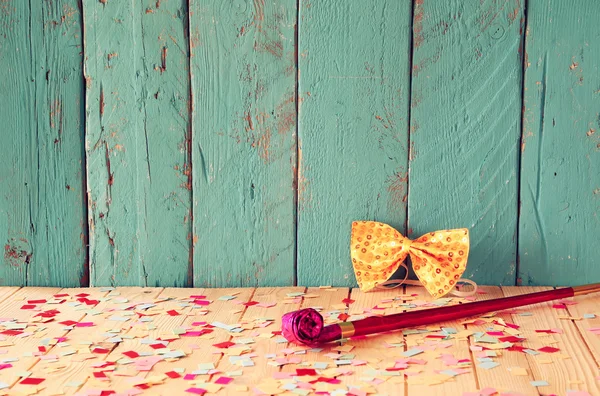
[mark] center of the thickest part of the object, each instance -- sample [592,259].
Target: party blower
[306,325]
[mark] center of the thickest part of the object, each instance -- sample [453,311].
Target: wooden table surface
[226,341]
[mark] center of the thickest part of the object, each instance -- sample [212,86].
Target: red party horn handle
[306,326]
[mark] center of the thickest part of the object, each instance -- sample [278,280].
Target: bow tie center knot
[406,244]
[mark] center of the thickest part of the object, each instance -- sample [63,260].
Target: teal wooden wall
[232,143]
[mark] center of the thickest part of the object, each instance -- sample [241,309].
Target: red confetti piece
[197,391]
[347,301]
[131,354]
[189,377]
[42,348]
[549,331]
[511,339]
[224,345]
[196,333]
[548,349]
[11,332]
[343,316]
[250,303]
[107,392]
[198,297]
[100,350]
[82,295]
[99,374]
[223,380]
[435,336]
[143,386]
[68,323]
[328,380]
[300,372]
[157,346]
[61,295]
[173,374]
[559,306]
[201,302]
[276,332]
[32,381]
[496,333]
[173,312]
[36,301]
[28,307]
[517,348]
[85,324]
[88,302]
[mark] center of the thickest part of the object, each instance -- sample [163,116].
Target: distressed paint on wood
[465,121]
[244,141]
[43,229]
[353,124]
[137,142]
[560,182]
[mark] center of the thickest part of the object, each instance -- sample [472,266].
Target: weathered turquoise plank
[465,122]
[560,178]
[244,141]
[137,141]
[42,214]
[354,61]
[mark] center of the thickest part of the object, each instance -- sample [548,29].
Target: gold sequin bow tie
[438,258]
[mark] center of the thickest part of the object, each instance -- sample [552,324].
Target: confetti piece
[197,391]
[518,371]
[32,381]
[548,349]
[489,365]
[539,383]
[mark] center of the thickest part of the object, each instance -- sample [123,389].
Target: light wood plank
[354,73]
[588,304]
[465,121]
[580,364]
[11,309]
[459,349]
[227,312]
[558,224]
[373,349]
[6,292]
[500,377]
[261,371]
[44,331]
[244,147]
[79,371]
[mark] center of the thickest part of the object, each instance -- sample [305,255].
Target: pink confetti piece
[85,324]
[197,391]
[223,380]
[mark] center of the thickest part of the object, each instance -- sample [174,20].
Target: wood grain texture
[353,124]
[501,377]
[579,363]
[374,349]
[137,141]
[244,145]
[466,106]
[560,182]
[43,229]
